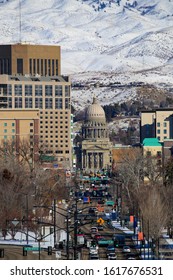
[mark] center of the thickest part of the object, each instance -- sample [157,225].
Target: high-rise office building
[32,89]
[25,59]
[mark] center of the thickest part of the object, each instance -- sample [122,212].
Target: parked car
[126,249]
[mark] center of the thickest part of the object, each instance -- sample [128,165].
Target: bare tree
[24,184]
[154,213]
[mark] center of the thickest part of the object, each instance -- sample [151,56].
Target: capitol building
[95,149]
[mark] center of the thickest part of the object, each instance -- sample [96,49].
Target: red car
[98,236]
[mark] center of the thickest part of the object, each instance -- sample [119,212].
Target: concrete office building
[157,124]
[26,59]
[18,125]
[34,82]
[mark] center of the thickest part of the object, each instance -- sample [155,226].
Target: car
[100,227]
[101,201]
[93,257]
[131,256]
[110,249]
[93,250]
[91,211]
[98,236]
[94,230]
[112,256]
[126,249]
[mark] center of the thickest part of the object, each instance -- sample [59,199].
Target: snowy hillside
[131,38]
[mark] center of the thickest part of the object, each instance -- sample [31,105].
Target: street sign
[104,242]
[100,221]
[31,248]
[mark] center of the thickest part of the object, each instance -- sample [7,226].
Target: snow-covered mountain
[131,38]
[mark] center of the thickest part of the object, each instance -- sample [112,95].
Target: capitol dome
[95,113]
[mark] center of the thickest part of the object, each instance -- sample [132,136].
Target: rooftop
[151,142]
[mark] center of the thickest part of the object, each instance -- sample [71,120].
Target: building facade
[36,84]
[96,148]
[157,124]
[23,59]
[18,125]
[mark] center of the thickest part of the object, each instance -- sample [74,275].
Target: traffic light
[49,250]
[93,243]
[143,243]
[116,243]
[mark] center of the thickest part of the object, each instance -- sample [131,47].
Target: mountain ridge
[123,35]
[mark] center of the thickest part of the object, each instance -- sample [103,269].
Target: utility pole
[27,211]
[75,232]
[54,222]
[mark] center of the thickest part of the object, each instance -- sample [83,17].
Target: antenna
[20,23]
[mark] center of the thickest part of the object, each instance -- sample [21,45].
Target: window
[34,66]
[159,154]
[53,72]
[67,103]
[165,124]
[5,124]
[39,103]
[28,90]
[13,130]
[67,91]
[148,153]
[28,102]
[158,124]
[30,66]
[58,91]
[56,67]
[58,103]
[9,102]
[18,90]
[165,131]
[48,90]
[42,67]
[158,131]
[9,90]
[48,103]
[18,102]
[5,130]
[38,66]
[19,66]
[13,124]
[38,90]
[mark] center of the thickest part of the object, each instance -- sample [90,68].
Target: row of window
[37,90]
[44,66]
[6,124]
[165,137]
[164,124]
[164,131]
[18,101]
